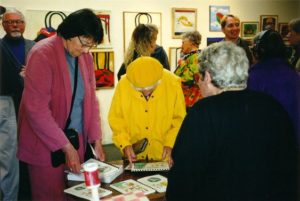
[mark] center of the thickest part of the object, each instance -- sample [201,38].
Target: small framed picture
[211,40]
[174,56]
[269,22]
[215,15]
[283,29]
[183,20]
[249,29]
[104,67]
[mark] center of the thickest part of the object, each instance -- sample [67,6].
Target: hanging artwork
[269,22]
[183,20]
[105,20]
[210,41]
[132,19]
[43,23]
[174,56]
[104,68]
[283,29]
[249,29]
[215,15]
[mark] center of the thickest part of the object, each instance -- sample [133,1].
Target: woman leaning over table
[46,103]
[187,67]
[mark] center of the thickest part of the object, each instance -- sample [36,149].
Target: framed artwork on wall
[183,20]
[104,67]
[39,20]
[215,15]
[211,40]
[283,29]
[174,56]
[269,22]
[132,19]
[105,17]
[249,29]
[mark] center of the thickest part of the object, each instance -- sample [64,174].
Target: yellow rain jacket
[132,117]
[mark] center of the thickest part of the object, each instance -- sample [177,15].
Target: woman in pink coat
[46,104]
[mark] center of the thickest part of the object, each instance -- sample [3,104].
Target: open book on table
[81,191]
[148,166]
[107,172]
[147,185]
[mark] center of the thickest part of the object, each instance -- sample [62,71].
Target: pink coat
[46,102]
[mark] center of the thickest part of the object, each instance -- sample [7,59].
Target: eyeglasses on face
[86,45]
[11,22]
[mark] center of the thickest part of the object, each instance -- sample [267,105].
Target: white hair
[227,64]
[13,10]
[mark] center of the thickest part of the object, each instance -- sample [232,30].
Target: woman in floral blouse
[187,67]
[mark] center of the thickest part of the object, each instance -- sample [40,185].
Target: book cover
[157,182]
[107,172]
[150,166]
[132,196]
[131,185]
[81,191]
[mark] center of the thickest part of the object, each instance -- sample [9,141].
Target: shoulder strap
[74,92]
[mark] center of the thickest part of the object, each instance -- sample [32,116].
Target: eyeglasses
[85,45]
[11,22]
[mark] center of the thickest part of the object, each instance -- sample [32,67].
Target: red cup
[91,175]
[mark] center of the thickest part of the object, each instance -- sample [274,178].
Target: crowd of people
[232,109]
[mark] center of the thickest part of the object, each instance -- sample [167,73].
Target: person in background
[294,40]
[14,49]
[148,103]
[273,74]
[46,104]
[230,25]
[14,43]
[239,144]
[187,68]
[143,43]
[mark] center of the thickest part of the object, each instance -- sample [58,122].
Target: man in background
[13,48]
[231,28]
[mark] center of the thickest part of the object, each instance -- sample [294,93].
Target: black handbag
[58,157]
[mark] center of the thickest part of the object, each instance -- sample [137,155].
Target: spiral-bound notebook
[150,166]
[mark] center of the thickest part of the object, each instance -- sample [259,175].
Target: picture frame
[283,29]
[269,22]
[105,18]
[132,19]
[174,56]
[215,15]
[103,60]
[183,20]
[249,29]
[211,40]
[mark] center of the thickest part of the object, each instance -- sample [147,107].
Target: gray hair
[227,64]
[13,10]
[193,36]
[294,25]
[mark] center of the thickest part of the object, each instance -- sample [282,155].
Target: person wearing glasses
[13,52]
[47,99]
[14,24]
[148,103]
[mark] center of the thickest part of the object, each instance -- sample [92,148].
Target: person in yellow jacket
[148,103]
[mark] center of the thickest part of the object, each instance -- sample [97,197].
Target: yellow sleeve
[179,113]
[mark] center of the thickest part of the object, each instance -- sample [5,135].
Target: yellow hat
[144,72]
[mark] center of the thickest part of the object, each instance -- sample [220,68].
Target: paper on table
[81,191]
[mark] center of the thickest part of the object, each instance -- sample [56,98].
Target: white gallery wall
[247,10]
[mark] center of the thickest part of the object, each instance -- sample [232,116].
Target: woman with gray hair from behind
[237,140]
